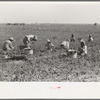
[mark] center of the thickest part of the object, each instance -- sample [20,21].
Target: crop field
[45,66]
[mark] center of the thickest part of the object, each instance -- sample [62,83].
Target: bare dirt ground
[51,66]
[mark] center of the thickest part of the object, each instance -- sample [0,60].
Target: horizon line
[44,23]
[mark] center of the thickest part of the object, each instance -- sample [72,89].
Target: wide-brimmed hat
[48,40]
[11,38]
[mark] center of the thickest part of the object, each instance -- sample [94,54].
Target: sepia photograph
[49,42]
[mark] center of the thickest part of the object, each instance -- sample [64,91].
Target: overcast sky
[50,12]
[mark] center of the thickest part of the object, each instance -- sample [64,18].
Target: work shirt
[72,39]
[90,39]
[49,45]
[65,44]
[27,39]
[83,50]
[7,45]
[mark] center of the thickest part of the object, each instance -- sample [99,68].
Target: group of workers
[27,40]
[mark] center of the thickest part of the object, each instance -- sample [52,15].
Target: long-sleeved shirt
[7,45]
[65,44]
[83,50]
[90,39]
[49,45]
[27,39]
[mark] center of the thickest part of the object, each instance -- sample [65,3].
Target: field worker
[90,38]
[81,41]
[72,39]
[7,46]
[83,48]
[49,45]
[28,39]
[65,45]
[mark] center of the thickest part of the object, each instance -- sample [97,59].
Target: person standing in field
[8,46]
[72,39]
[90,39]
[65,45]
[28,39]
[49,45]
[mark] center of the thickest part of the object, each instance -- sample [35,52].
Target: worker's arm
[52,45]
[11,46]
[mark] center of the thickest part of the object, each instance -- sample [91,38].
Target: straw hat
[11,38]
[48,40]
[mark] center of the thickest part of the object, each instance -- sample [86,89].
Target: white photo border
[50,90]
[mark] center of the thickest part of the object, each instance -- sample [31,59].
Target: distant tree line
[15,24]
